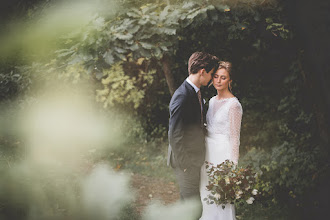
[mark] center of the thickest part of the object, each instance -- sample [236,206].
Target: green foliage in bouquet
[229,183]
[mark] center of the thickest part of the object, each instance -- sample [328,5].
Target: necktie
[200,102]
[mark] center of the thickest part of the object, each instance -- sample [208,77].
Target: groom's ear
[201,71]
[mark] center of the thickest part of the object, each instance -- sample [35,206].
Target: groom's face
[206,77]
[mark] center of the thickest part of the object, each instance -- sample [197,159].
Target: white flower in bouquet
[238,194]
[227,180]
[254,192]
[217,196]
[226,184]
[250,200]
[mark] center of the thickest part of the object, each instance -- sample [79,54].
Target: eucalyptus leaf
[143,21]
[63,53]
[133,14]
[75,60]
[87,57]
[121,56]
[146,36]
[134,47]
[157,52]
[145,53]
[164,48]
[193,14]
[126,36]
[108,58]
[164,13]
[146,45]
[134,29]
[221,7]
[188,5]
[168,31]
[119,50]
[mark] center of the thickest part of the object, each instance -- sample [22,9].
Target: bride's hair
[227,66]
[223,65]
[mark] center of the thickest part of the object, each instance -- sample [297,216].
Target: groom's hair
[202,60]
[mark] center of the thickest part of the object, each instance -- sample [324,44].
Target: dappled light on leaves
[63,127]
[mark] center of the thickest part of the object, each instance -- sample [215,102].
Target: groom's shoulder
[181,92]
[182,89]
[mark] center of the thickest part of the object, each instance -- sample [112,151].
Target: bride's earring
[230,89]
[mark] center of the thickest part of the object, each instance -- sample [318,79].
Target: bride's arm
[235,118]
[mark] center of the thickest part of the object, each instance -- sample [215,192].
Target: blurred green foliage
[120,57]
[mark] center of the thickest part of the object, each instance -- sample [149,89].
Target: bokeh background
[85,87]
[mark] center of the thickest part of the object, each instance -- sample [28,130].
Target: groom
[186,150]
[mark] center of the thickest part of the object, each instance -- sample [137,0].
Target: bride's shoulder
[236,100]
[236,103]
[212,99]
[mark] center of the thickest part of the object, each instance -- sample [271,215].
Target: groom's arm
[177,130]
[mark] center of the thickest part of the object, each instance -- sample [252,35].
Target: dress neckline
[223,99]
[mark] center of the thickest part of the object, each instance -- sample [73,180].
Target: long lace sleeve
[235,118]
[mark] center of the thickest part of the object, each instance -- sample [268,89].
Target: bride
[222,142]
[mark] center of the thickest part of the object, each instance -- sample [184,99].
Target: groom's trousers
[189,184]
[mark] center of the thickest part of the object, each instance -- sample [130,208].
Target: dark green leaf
[108,58]
[146,45]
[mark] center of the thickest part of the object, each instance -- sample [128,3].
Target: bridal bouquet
[229,183]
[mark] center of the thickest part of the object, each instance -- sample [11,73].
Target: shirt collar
[192,84]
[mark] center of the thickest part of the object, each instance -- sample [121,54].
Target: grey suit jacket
[186,135]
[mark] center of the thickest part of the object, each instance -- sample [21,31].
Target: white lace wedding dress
[222,142]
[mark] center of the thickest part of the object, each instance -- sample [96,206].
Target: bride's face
[221,79]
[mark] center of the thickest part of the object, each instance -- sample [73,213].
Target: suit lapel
[204,110]
[194,96]
[192,92]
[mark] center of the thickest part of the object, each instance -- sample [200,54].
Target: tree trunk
[166,63]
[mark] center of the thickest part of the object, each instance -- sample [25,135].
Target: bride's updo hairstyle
[227,66]
[202,60]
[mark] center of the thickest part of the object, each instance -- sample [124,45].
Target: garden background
[85,88]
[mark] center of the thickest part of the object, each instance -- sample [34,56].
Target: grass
[259,211]
[148,159]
